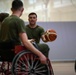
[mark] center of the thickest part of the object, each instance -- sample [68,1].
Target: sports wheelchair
[24,62]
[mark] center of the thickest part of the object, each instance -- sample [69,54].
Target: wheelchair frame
[27,63]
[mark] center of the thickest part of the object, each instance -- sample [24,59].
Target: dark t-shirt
[34,33]
[0,27]
[10,29]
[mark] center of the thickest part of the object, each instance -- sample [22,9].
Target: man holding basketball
[35,32]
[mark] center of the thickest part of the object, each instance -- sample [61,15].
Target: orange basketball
[50,35]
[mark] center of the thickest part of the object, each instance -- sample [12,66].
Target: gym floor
[64,68]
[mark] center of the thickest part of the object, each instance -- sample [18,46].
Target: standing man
[13,30]
[35,32]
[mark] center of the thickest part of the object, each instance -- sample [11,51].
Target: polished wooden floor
[63,68]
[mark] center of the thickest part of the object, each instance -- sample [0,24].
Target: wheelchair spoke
[36,65]
[20,62]
[41,71]
[23,63]
[26,59]
[40,68]
[17,67]
[32,61]
[23,70]
[29,64]
[20,68]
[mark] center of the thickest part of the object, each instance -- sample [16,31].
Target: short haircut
[3,16]
[32,13]
[16,4]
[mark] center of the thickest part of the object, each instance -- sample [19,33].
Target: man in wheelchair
[12,30]
[12,34]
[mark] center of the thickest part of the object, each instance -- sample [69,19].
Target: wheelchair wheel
[26,63]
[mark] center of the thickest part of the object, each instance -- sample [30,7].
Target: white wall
[63,10]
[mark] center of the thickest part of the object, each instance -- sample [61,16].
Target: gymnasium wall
[64,47]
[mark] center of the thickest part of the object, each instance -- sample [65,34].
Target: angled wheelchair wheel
[26,63]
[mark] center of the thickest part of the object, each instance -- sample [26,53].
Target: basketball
[50,35]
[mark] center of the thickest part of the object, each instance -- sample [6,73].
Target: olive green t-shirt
[34,33]
[10,29]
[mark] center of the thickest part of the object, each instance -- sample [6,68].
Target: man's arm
[29,46]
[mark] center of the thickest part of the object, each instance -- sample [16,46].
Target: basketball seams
[47,34]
